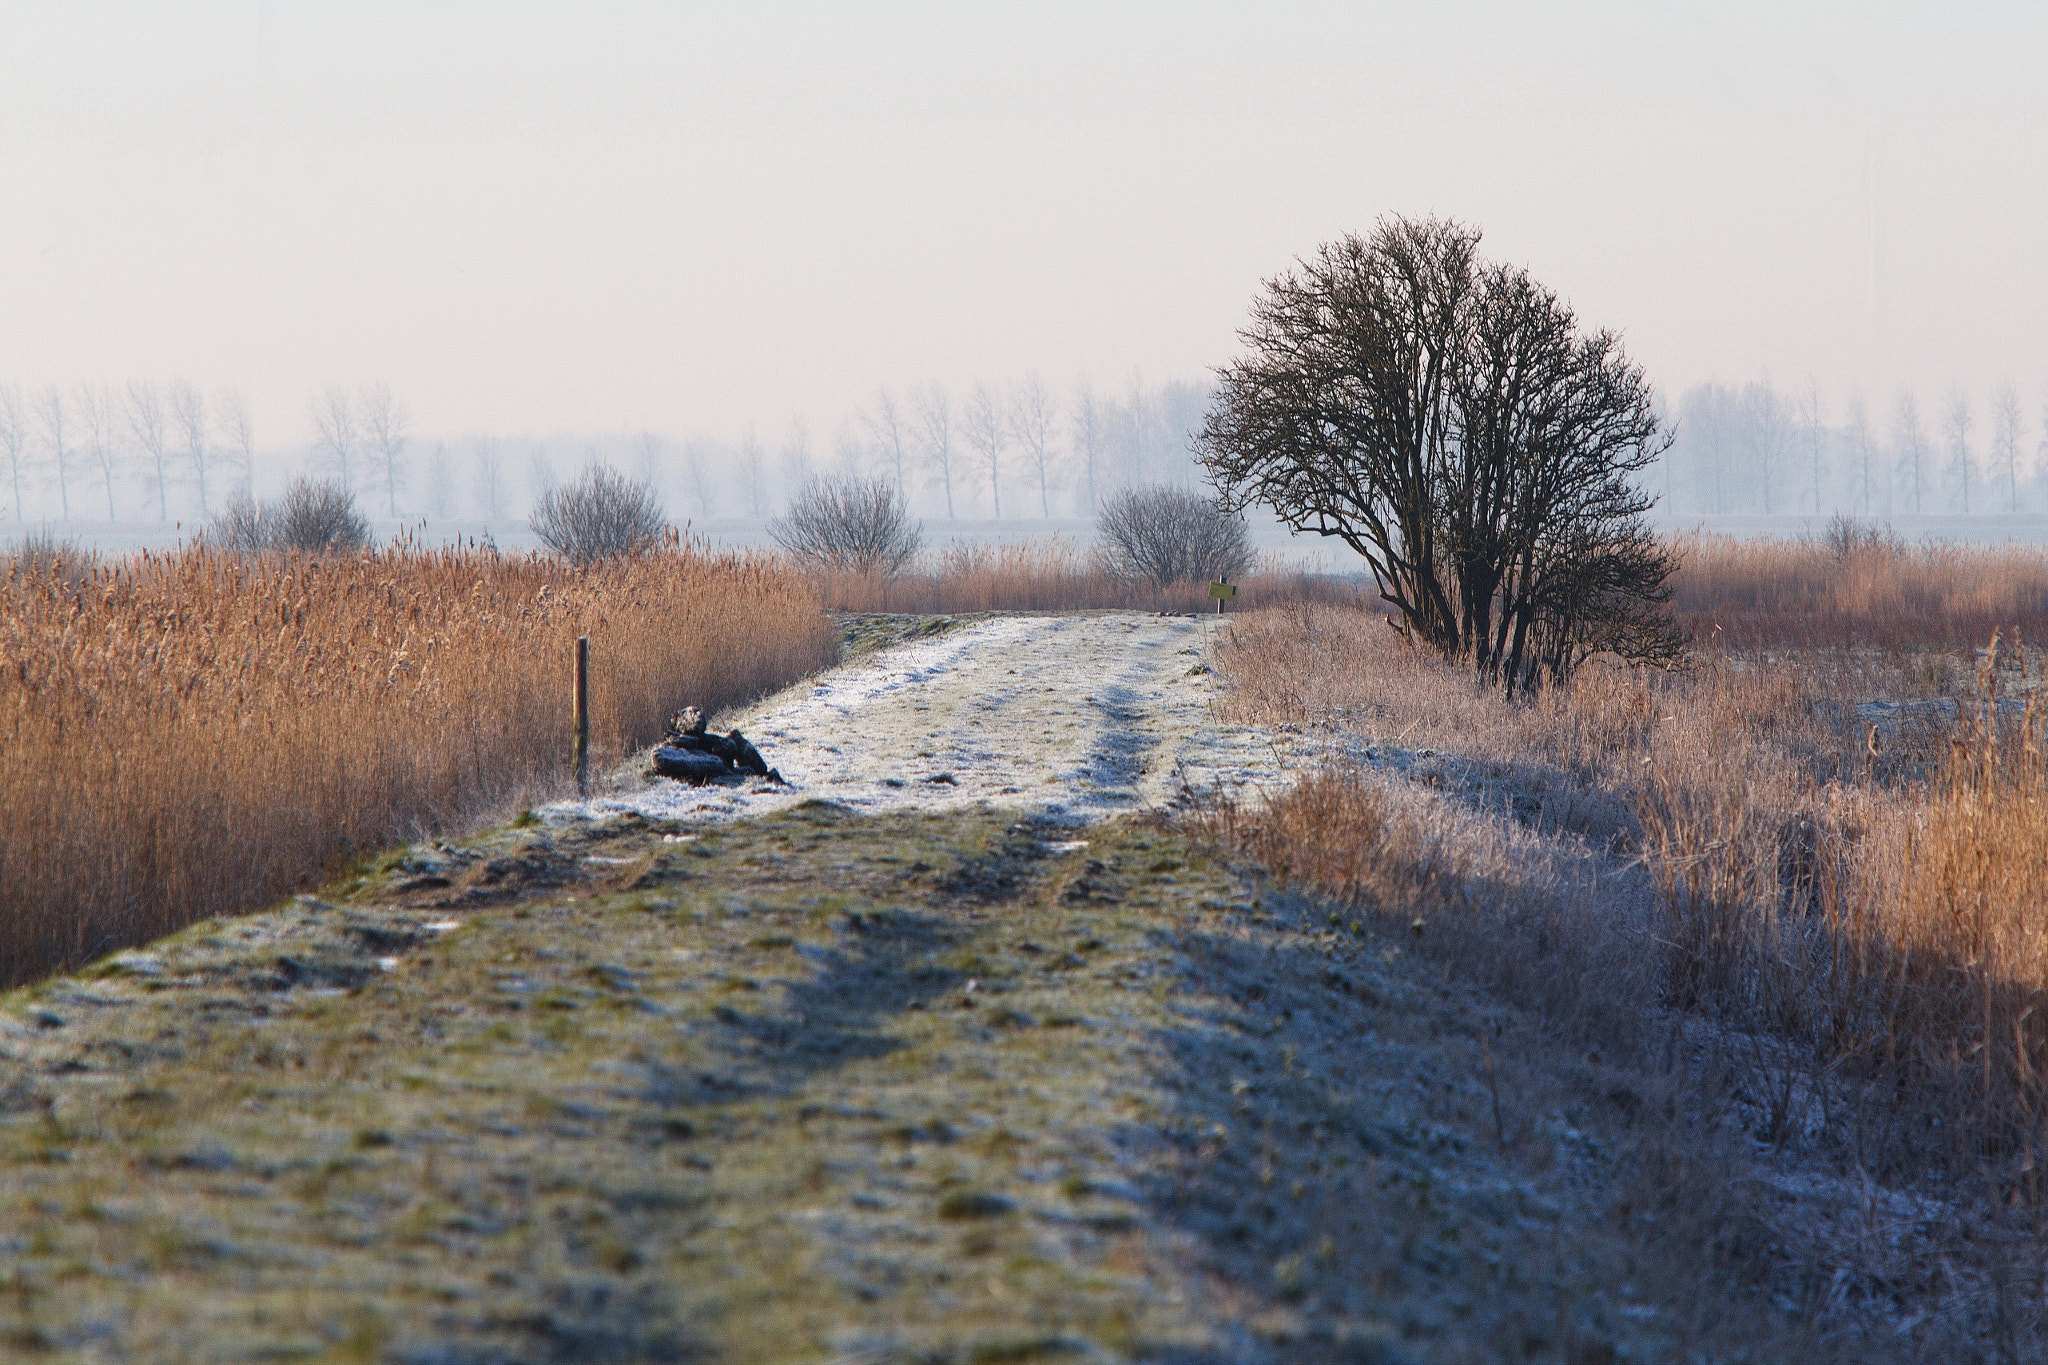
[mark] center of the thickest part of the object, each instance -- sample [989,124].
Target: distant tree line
[120,451]
[1010,450]
[1757,448]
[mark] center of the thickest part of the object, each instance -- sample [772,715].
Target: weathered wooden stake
[581,706]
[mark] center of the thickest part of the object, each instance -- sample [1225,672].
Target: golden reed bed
[193,734]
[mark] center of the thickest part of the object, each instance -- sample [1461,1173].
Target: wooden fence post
[581,705]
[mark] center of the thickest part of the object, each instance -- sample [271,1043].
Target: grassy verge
[824,1087]
[1821,922]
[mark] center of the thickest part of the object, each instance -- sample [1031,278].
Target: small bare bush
[55,558]
[1171,535]
[851,524]
[603,515]
[313,517]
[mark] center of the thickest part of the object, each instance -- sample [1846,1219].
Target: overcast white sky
[539,217]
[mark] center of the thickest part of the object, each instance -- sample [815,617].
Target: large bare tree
[988,431]
[188,413]
[1033,411]
[151,428]
[1452,423]
[1342,409]
[54,416]
[386,429]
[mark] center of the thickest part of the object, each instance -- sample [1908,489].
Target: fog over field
[721,250]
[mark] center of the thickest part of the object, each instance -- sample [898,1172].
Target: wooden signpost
[1222,592]
[581,709]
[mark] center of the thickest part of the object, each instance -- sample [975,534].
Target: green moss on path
[811,1087]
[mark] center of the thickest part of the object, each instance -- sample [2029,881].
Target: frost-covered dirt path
[915,1074]
[1071,717]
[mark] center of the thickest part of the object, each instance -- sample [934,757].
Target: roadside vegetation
[196,734]
[1858,585]
[1792,890]
[1055,575]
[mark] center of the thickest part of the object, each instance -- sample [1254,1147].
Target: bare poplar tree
[14,439]
[988,431]
[151,429]
[55,420]
[1912,447]
[1086,428]
[238,436]
[440,480]
[796,455]
[1813,429]
[885,424]
[188,413]
[1032,415]
[694,470]
[540,473]
[1959,422]
[337,434]
[2005,440]
[850,455]
[1136,429]
[385,427]
[490,477]
[1859,448]
[1767,424]
[935,434]
[99,412]
[647,452]
[754,473]
[2041,446]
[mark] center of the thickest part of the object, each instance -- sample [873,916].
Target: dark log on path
[688,765]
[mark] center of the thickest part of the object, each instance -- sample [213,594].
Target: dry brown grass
[1737,878]
[194,734]
[1053,576]
[1749,593]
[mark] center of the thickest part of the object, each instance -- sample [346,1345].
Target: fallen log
[688,765]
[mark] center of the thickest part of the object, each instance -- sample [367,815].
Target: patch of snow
[1070,717]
